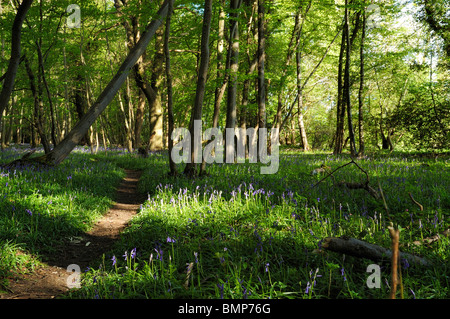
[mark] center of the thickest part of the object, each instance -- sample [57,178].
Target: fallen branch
[358,248]
[365,185]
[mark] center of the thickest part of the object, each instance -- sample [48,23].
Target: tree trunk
[361,91]
[139,120]
[155,105]
[190,168]
[172,165]
[340,109]
[301,124]
[234,65]
[60,152]
[38,121]
[347,90]
[10,76]
[220,90]
[292,49]
[261,66]
[150,88]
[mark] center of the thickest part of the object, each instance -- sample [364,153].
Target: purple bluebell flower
[308,287]
[343,273]
[221,288]
[196,257]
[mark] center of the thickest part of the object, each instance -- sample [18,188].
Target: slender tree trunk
[139,120]
[10,76]
[292,49]
[340,110]
[37,107]
[234,65]
[220,90]
[49,96]
[60,152]
[155,107]
[301,124]
[361,91]
[347,83]
[190,168]
[172,165]
[261,66]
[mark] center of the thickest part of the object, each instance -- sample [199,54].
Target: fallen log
[358,248]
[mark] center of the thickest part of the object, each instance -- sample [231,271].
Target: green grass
[41,208]
[234,233]
[239,234]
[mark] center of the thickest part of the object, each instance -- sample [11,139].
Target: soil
[50,281]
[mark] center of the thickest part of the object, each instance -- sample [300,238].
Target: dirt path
[50,281]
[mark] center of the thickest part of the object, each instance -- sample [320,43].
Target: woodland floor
[50,281]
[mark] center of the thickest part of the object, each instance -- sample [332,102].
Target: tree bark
[172,165]
[340,106]
[10,76]
[292,49]
[361,90]
[38,121]
[347,90]
[190,168]
[220,90]
[234,65]
[301,124]
[150,88]
[261,66]
[63,149]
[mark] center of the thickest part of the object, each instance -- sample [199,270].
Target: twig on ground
[416,202]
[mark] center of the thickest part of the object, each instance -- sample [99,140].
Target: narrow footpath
[50,281]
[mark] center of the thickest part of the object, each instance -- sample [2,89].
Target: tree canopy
[332,75]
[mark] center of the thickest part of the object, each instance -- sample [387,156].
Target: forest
[227,149]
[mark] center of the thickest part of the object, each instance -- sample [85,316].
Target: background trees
[341,75]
